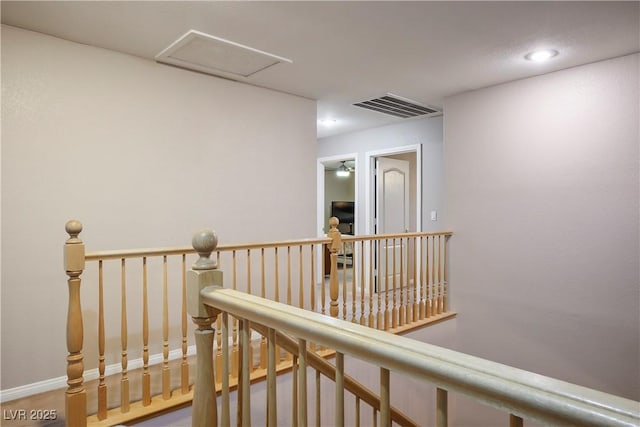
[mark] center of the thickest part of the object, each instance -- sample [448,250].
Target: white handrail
[519,392]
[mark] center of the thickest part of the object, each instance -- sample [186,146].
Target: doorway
[394,204]
[338,193]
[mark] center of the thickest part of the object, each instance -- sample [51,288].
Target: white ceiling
[345,52]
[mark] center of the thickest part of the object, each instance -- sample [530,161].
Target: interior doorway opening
[338,193]
[394,205]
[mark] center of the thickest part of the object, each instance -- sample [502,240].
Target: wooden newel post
[204,273]
[336,244]
[75,396]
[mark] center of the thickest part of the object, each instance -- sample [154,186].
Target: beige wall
[542,190]
[143,154]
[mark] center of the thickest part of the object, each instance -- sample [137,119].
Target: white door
[392,216]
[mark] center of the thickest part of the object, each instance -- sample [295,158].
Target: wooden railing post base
[75,409]
[204,413]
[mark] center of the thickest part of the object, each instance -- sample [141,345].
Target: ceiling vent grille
[396,106]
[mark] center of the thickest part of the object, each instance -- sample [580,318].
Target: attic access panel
[396,106]
[217,56]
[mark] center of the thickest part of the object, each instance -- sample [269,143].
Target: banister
[520,392]
[137,253]
[350,238]
[179,250]
[131,267]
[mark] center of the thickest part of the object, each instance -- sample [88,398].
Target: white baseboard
[92,374]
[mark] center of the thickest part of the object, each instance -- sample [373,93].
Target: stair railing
[520,393]
[389,282]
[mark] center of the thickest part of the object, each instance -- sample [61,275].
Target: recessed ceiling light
[327,122]
[541,55]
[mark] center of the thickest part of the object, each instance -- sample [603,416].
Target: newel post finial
[205,241]
[75,396]
[73,228]
[204,273]
[336,244]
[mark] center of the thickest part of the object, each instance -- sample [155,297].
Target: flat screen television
[344,211]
